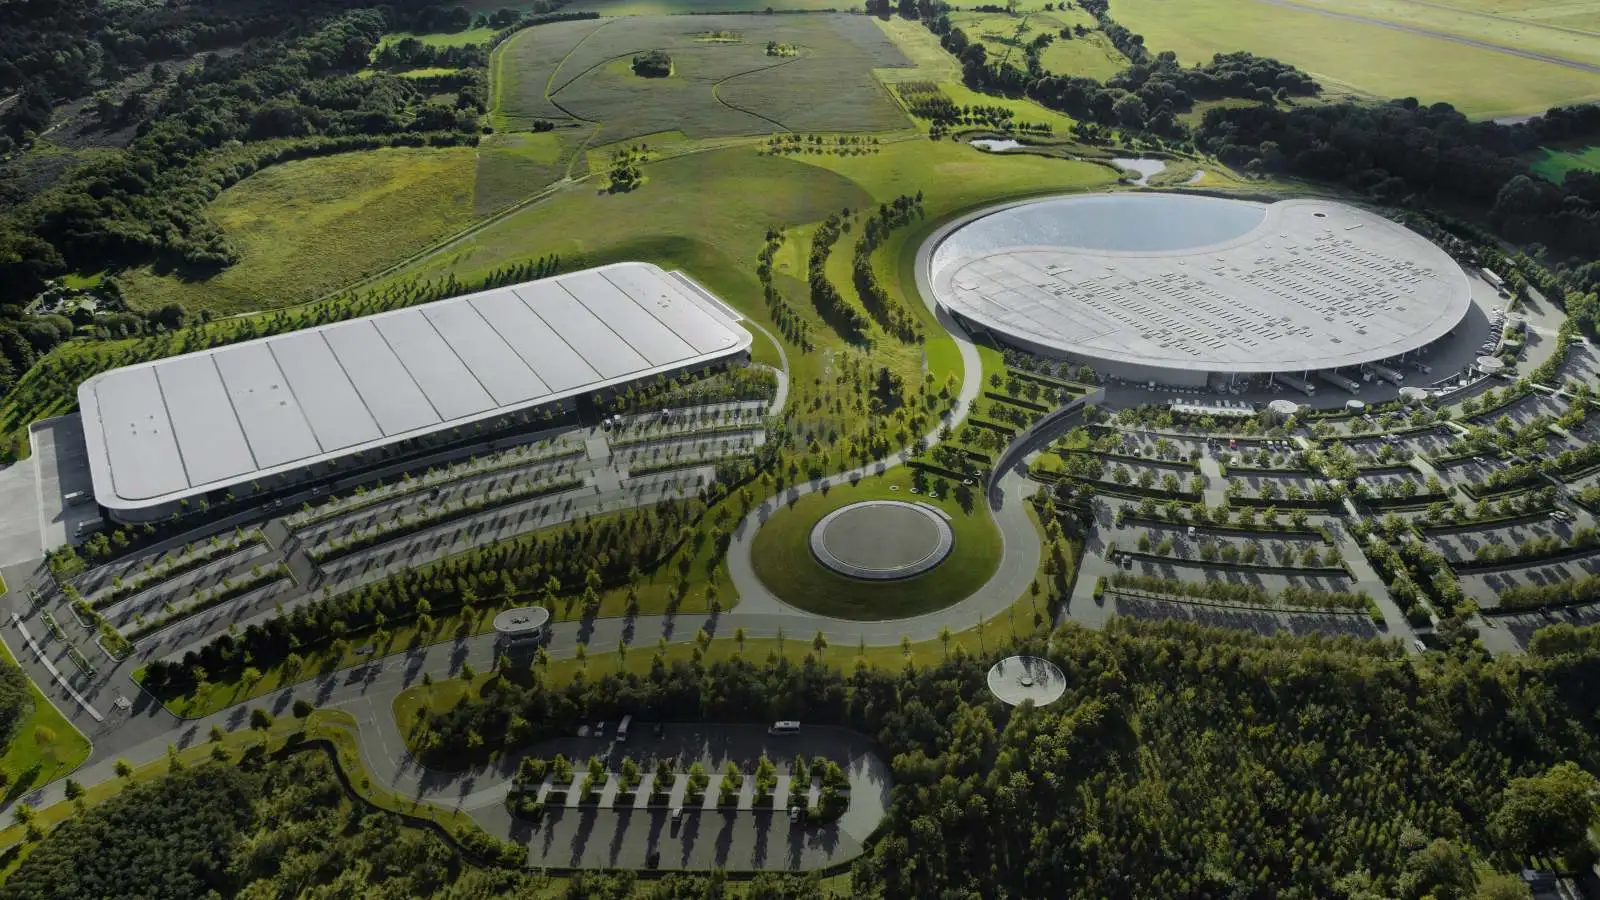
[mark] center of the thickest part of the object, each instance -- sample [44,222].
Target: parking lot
[62,461]
[637,836]
[1484,587]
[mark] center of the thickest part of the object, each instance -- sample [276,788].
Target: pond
[1145,167]
[996,145]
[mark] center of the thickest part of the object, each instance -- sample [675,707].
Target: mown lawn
[46,745]
[1555,164]
[309,227]
[781,556]
[1366,57]
[443,38]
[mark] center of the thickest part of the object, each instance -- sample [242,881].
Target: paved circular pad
[1018,678]
[882,539]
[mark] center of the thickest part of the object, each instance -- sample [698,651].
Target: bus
[622,730]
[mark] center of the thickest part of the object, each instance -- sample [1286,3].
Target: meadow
[1555,164]
[718,88]
[1363,57]
[309,227]
[1004,36]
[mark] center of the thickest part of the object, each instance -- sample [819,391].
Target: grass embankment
[1555,164]
[782,558]
[311,226]
[1369,57]
[45,746]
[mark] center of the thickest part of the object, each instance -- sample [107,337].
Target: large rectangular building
[166,432]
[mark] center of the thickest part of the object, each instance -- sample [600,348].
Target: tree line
[883,308]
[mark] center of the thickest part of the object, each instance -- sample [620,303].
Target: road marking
[56,673]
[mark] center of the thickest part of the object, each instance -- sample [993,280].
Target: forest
[284,826]
[1182,761]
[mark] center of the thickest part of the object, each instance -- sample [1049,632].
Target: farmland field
[1367,56]
[1555,164]
[1004,37]
[679,7]
[307,227]
[513,166]
[718,88]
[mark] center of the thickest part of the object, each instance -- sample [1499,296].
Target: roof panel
[600,347]
[552,359]
[338,416]
[274,405]
[140,445]
[629,320]
[207,429]
[443,377]
[388,390]
[273,422]
[670,303]
[497,367]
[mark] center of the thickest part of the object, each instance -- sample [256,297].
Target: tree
[1547,813]
[1500,886]
[303,708]
[260,719]
[1439,871]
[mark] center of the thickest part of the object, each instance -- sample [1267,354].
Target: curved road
[144,732]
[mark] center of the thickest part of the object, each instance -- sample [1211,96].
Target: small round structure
[880,540]
[1354,406]
[521,625]
[1490,365]
[1413,394]
[1283,409]
[1018,678]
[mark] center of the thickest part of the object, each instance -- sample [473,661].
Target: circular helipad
[1018,678]
[882,539]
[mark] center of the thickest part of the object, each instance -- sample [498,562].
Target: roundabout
[882,540]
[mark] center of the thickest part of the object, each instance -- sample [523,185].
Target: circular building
[880,540]
[1192,291]
[521,625]
[1018,678]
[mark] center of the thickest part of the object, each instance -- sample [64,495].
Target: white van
[622,730]
[784,727]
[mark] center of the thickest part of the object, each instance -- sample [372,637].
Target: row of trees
[789,321]
[884,309]
[834,308]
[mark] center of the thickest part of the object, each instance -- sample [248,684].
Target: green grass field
[442,39]
[718,87]
[781,556]
[311,226]
[1491,21]
[1555,164]
[46,745]
[1361,56]
[1004,37]
[513,166]
[682,7]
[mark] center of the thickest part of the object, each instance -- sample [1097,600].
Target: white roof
[178,427]
[1202,283]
